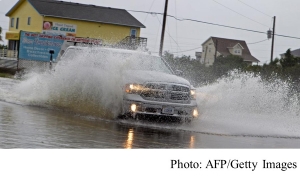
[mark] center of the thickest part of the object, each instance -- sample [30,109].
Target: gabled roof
[238,44]
[224,43]
[85,12]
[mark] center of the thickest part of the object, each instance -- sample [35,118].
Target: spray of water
[244,104]
[82,83]
[241,104]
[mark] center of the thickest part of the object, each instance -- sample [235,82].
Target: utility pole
[163,29]
[273,35]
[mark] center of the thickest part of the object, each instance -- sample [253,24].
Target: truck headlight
[195,113]
[193,93]
[134,88]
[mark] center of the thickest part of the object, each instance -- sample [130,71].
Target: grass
[7,73]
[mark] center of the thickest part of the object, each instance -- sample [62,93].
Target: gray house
[215,46]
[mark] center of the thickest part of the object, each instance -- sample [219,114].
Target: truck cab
[149,85]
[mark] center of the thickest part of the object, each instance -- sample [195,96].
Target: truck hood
[140,77]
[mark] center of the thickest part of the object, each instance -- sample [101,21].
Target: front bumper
[147,107]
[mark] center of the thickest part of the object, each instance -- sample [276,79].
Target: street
[34,127]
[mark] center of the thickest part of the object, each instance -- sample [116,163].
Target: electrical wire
[186,50]
[176,23]
[183,50]
[149,10]
[239,13]
[215,24]
[198,21]
[254,8]
[170,35]
[257,42]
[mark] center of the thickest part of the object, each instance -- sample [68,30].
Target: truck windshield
[129,60]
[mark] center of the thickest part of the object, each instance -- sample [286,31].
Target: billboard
[54,28]
[36,46]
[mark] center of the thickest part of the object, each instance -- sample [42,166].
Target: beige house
[214,47]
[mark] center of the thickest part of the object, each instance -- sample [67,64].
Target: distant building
[110,25]
[198,56]
[225,47]
[295,53]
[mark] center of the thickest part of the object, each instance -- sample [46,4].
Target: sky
[186,37]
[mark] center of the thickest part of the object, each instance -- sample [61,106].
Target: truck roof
[112,49]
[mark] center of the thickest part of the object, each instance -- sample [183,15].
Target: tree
[223,65]
[289,60]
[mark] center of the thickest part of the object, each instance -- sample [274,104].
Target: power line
[255,8]
[239,13]
[176,23]
[215,24]
[257,42]
[187,50]
[149,10]
[198,21]
[183,50]
[169,34]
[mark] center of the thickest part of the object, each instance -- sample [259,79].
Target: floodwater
[76,106]
[35,127]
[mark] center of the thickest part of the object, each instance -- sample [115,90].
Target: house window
[237,51]
[12,22]
[17,23]
[29,21]
[133,32]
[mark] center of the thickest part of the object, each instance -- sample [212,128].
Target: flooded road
[77,105]
[34,127]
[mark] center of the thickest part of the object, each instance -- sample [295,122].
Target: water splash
[244,104]
[83,84]
[241,104]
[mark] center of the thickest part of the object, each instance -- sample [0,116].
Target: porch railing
[8,54]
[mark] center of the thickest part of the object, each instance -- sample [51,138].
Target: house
[110,25]
[214,47]
[295,53]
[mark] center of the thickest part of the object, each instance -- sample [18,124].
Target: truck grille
[166,92]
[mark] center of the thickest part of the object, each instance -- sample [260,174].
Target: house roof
[295,53]
[85,12]
[224,45]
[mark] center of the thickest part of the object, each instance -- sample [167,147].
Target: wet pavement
[36,127]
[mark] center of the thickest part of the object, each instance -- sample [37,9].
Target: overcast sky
[185,35]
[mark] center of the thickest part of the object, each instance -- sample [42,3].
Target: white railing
[8,54]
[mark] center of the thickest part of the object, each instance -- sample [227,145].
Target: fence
[8,59]
[8,54]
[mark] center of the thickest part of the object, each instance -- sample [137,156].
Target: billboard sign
[36,46]
[55,28]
